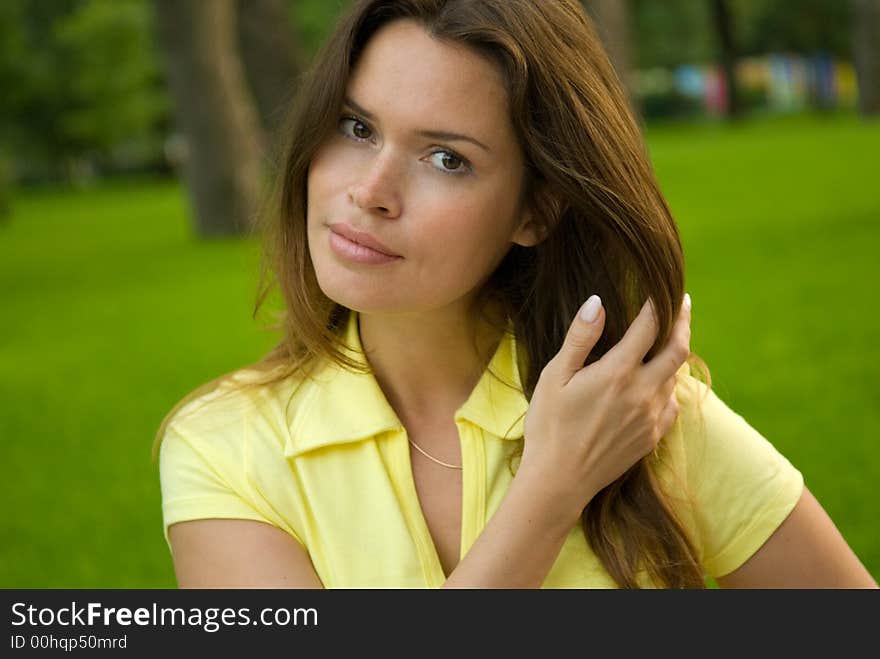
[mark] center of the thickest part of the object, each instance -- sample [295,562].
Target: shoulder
[221,448]
[739,486]
[714,435]
[240,406]
[712,430]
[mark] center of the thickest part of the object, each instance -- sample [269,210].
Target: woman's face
[446,207]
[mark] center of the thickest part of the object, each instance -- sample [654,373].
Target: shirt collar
[340,406]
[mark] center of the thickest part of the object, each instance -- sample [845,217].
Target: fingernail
[590,311]
[687,301]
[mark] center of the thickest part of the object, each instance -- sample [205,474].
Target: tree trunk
[866,52]
[612,19]
[271,57]
[215,113]
[724,31]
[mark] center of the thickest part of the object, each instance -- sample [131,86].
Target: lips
[361,238]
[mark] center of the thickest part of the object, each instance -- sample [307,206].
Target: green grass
[780,221]
[111,311]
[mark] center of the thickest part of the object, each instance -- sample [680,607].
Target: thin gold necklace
[439,462]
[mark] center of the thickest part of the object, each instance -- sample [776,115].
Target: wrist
[545,491]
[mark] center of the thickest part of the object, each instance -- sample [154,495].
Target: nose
[376,190]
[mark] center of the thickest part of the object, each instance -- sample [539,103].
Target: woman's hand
[586,426]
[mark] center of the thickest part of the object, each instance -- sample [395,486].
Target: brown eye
[359,131]
[450,162]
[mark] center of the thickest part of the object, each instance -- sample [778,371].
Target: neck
[428,363]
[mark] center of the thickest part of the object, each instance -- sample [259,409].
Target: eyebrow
[433,134]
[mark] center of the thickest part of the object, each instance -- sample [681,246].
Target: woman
[486,338]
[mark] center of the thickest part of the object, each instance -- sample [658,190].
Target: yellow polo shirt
[328,463]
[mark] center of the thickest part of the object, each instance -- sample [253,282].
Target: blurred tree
[215,111]
[723,24]
[109,79]
[31,97]
[14,81]
[671,33]
[271,56]
[313,20]
[866,50]
[797,26]
[612,19]
[81,85]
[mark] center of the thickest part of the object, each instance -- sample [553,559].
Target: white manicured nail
[590,310]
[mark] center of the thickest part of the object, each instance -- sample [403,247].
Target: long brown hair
[608,230]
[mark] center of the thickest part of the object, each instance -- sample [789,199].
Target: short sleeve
[202,478]
[742,487]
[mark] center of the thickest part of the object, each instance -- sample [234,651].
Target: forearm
[521,541]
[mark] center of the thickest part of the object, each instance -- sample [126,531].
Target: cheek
[317,181]
[468,240]
[485,226]
[327,172]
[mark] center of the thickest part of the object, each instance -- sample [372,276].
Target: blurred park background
[137,138]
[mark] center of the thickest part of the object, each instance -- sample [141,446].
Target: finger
[667,389]
[673,355]
[668,416]
[639,337]
[581,338]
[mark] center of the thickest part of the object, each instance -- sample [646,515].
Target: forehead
[405,76]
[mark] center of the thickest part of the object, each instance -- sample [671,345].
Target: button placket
[473,495]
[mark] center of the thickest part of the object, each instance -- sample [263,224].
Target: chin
[358,295]
[381,301]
